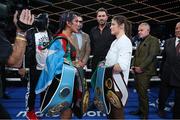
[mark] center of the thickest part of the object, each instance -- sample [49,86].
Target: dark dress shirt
[101,40]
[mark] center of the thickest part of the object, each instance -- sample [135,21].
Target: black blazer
[171,67]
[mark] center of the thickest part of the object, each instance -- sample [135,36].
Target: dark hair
[127,25]
[65,17]
[41,21]
[102,10]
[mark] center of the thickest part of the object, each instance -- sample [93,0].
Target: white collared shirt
[177,41]
[79,39]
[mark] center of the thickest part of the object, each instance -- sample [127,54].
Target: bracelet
[20,38]
[20,34]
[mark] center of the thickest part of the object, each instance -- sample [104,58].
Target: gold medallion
[55,110]
[113,99]
[108,83]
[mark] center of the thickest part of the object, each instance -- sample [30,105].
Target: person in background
[82,42]
[100,38]
[13,55]
[37,37]
[171,74]
[100,41]
[144,67]
[165,89]
[119,56]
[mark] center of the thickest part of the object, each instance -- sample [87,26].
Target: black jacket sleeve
[5,48]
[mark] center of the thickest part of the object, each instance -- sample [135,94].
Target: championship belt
[59,94]
[104,90]
[81,92]
[99,95]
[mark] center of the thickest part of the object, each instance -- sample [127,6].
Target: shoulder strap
[47,45]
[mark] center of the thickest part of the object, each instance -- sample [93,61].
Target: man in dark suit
[171,68]
[143,66]
[164,90]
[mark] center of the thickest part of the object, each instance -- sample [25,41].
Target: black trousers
[3,79]
[164,92]
[3,113]
[30,95]
[176,109]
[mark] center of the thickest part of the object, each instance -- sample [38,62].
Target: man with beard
[101,38]
[100,41]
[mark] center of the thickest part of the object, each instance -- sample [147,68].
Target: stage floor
[16,105]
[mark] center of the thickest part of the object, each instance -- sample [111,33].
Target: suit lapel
[173,48]
[83,40]
[144,43]
[75,41]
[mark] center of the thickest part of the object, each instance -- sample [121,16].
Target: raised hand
[25,17]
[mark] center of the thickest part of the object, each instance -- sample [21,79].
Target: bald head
[145,25]
[177,30]
[143,30]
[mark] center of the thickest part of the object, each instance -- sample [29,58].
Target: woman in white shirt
[119,56]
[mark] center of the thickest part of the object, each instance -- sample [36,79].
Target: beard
[102,22]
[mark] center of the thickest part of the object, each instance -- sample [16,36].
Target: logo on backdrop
[22,114]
